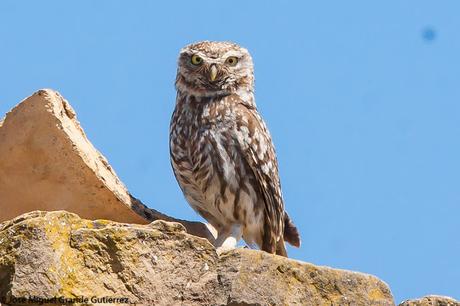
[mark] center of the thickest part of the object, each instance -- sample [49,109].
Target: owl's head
[210,68]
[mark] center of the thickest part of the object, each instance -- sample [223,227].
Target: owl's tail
[291,234]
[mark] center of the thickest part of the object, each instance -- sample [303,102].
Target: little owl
[222,153]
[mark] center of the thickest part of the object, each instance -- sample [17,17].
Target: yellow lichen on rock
[431,300]
[290,282]
[57,254]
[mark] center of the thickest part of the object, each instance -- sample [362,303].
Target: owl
[222,153]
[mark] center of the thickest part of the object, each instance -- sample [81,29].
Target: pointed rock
[47,163]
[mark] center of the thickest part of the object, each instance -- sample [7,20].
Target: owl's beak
[213,73]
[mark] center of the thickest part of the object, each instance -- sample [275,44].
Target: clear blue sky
[362,99]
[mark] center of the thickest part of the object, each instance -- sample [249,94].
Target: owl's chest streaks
[203,135]
[206,159]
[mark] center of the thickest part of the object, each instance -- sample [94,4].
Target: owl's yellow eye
[196,60]
[231,60]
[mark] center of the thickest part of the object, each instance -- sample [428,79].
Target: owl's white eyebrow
[225,55]
[201,54]
[232,53]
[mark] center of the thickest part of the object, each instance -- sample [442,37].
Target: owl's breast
[206,155]
[203,150]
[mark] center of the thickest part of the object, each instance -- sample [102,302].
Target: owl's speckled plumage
[221,151]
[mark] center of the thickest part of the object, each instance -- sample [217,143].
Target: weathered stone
[47,163]
[432,300]
[258,278]
[52,254]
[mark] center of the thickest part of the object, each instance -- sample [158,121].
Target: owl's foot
[228,242]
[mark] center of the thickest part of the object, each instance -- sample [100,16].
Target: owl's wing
[259,152]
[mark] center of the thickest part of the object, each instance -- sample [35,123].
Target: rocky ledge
[431,300]
[58,254]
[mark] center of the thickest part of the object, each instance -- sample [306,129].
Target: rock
[432,300]
[47,163]
[258,278]
[58,254]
